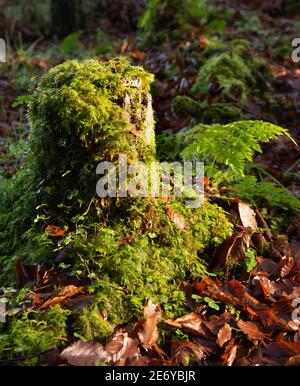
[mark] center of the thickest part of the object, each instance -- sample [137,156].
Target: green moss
[127,249]
[231,71]
[169,19]
[91,325]
[205,112]
[34,333]
[156,257]
[82,114]
[238,74]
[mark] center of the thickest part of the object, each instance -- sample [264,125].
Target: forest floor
[253,323]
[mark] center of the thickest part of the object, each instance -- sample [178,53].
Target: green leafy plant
[250,260]
[183,14]
[210,302]
[34,333]
[228,149]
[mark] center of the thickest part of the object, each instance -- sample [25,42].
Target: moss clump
[80,114]
[237,75]
[34,333]
[231,72]
[85,113]
[91,325]
[205,112]
[228,77]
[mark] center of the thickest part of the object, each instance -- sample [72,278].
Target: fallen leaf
[224,335]
[247,216]
[263,286]
[252,330]
[191,323]
[120,347]
[147,329]
[182,351]
[282,349]
[66,293]
[229,355]
[54,231]
[235,247]
[177,218]
[84,353]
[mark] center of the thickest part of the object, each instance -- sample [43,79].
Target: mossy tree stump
[128,250]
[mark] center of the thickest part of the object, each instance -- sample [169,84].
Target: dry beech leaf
[224,335]
[252,330]
[263,286]
[120,347]
[181,352]
[235,247]
[66,293]
[247,216]
[229,355]
[177,218]
[191,323]
[54,231]
[84,353]
[147,329]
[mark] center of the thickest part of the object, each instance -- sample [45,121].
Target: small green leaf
[20,100]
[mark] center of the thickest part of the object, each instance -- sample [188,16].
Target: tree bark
[66,16]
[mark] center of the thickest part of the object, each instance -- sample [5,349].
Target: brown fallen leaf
[282,349]
[287,266]
[120,347]
[247,216]
[54,231]
[181,352]
[224,335]
[147,329]
[229,355]
[232,292]
[66,293]
[84,353]
[252,330]
[263,286]
[293,361]
[177,218]
[278,317]
[235,247]
[191,323]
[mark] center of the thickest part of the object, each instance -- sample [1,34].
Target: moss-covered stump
[85,113]
[125,250]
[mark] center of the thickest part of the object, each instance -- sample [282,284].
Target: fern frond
[257,193]
[227,149]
